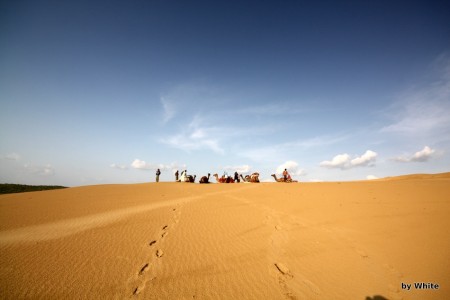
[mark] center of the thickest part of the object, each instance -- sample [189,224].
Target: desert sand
[329,240]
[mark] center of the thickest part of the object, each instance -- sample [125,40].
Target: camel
[187,178]
[205,179]
[244,179]
[223,179]
[191,178]
[289,179]
[254,178]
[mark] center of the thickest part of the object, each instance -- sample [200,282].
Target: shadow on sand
[376,297]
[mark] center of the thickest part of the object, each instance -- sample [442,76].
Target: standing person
[176,175]
[158,172]
[285,174]
[236,177]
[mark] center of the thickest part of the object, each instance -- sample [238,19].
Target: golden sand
[330,240]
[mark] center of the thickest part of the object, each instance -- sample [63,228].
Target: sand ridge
[333,240]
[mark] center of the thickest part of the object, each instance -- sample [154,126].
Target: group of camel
[253,178]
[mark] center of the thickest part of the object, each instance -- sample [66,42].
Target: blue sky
[99,92]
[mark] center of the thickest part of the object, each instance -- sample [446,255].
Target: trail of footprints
[145,274]
[278,241]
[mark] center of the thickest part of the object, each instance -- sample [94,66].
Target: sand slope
[348,240]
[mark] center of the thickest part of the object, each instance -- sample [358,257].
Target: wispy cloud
[46,170]
[169,110]
[189,143]
[274,152]
[28,168]
[319,141]
[344,161]
[278,108]
[371,177]
[195,136]
[119,167]
[420,156]
[423,110]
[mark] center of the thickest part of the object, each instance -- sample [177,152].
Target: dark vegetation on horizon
[8,188]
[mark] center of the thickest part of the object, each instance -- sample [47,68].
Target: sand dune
[329,240]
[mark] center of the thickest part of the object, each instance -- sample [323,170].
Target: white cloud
[292,168]
[142,165]
[420,156]
[169,109]
[366,159]
[423,155]
[371,177]
[344,161]
[239,169]
[339,161]
[120,167]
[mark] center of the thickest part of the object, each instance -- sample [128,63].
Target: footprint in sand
[165,227]
[362,253]
[314,288]
[164,234]
[159,253]
[152,243]
[139,289]
[283,269]
[144,269]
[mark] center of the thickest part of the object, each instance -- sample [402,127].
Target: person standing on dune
[158,172]
[176,175]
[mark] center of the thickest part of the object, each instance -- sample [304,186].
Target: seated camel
[223,179]
[288,180]
[187,178]
[205,179]
[191,178]
[254,178]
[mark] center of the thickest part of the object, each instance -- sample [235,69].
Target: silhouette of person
[158,172]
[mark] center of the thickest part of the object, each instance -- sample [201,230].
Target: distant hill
[7,188]
[418,176]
